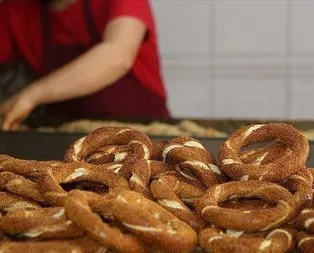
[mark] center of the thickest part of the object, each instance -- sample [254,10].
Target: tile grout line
[289,102]
[212,59]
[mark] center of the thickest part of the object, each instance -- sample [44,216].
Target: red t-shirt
[20,33]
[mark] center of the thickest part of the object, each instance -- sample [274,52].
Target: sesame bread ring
[94,227]
[231,164]
[252,220]
[139,143]
[54,194]
[193,160]
[20,185]
[10,201]
[27,168]
[305,220]
[215,240]
[311,170]
[305,242]
[175,196]
[157,149]
[142,172]
[88,245]
[79,245]
[39,247]
[245,204]
[153,224]
[110,154]
[44,223]
[268,154]
[300,184]
[27,219]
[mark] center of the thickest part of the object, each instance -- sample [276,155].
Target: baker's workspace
[148,126]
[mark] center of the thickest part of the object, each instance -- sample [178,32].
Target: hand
[15,110]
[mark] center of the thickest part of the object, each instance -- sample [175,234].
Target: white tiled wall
[242,25]
[238,58]
[183,26]
[303,25]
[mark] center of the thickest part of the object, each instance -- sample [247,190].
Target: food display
[309,134]
[183,128]
[117,191]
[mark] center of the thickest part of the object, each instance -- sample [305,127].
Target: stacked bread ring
[117,191]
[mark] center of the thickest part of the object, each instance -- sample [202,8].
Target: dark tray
[225,125]
[51,146]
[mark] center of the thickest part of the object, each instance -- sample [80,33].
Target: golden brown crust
[229,152]
[45,223]
[20,185]
[136,196]
[253,220]
[194,161]
[138,142]
[54,194]
[153,224]
[276,241]
[39,247]
[177,197]
[94,227]
[305,242]
[10,201]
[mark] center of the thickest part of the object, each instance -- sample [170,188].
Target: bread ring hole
[263,153]
[100,158]
[186,173]
[253,153]
[246,204]
[17,237]
[256,145]
[86,186]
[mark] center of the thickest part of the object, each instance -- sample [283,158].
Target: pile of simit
[116,191]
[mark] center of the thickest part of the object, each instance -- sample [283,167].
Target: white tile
[302,67]
[302,98]
[302,25]
[254,68]
[183,26]
[188,89]
[250,98]
[247,26]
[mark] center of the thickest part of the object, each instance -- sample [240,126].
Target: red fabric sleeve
[140,9]
[6,45]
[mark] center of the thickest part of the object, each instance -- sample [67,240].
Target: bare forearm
[91,72]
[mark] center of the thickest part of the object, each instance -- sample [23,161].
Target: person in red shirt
[96,57]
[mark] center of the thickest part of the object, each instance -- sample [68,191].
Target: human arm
[101,66]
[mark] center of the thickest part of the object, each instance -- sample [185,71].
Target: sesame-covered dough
[270,153]
[54,194]
[153,223]
[305,242]
[20,185]
[289,163]
[300,184]
[44,223]
[305,220]
[276,241]
[27,168]
[194,162]
[10,201]
[117,191]
[39,247]
[176,196]
[109,136]
[92,225]
[254,220]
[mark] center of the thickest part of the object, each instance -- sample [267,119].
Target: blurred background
[238,58]
[226,64]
